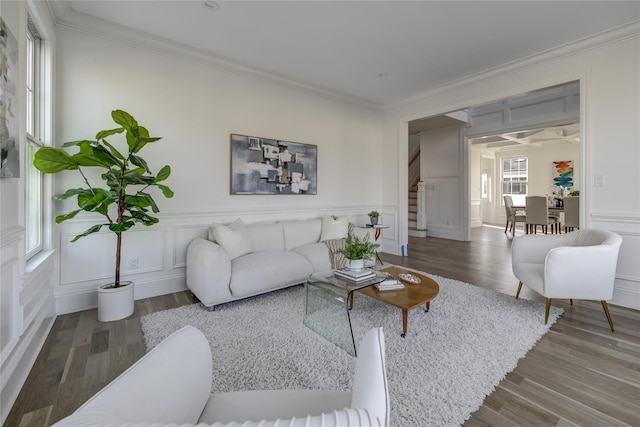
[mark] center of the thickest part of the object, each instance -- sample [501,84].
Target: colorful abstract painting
[563,173]
[269,166]
[9,159]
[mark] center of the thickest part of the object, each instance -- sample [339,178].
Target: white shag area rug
[452,357]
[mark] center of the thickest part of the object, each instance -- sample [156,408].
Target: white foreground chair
[577,265]
[171,384]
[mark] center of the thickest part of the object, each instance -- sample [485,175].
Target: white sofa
[240,260]
[170,386]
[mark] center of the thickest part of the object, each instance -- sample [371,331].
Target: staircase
[413,212]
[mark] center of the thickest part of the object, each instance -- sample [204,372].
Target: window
[35,110]
[485,185]
[515,178]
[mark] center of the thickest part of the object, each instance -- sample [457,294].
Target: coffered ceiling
[379,52]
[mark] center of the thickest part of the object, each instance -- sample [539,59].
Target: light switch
[599,181]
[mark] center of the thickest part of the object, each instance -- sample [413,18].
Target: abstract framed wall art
[9,108]
[270,166]
[563,173]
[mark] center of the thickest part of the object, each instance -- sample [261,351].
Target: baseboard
[85,299]
[626,293]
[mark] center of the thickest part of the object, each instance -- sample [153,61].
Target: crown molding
[593,42]
[64,16]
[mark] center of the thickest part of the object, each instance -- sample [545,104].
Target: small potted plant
[373,217]
[122,202]
[356,251]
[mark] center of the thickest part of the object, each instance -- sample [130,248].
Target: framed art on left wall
[270,166]
[9,108]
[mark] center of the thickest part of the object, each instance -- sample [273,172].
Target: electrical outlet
[133,263]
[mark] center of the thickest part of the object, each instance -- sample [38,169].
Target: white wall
[441,151]
[195,106]
[607,67]
[26,297]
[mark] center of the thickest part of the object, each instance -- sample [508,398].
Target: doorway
[527,122]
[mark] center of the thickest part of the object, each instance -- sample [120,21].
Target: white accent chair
[171,384]
[581,265]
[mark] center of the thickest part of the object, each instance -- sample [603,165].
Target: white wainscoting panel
[26,314]
[182,236]
[626,292]
[93,257]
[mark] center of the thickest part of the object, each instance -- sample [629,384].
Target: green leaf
[115,152]
[137,179]
[53,160]
[105,156]
[166,191]
[140,201]
[123,226]
[163,174]
[148,201]
[91,230]
[105,133]
[88,160]
[144,218]
[74,143]
[65,217]
[124,119]
[139,171]
[90,202]
[70,193]
[139,161]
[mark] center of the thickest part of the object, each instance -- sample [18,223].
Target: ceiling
[379,52]
[567,134]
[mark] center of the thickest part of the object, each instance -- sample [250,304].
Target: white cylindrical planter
[355,264]
[115,303]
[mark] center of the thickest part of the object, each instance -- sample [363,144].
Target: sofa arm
[170,384]
[208,272]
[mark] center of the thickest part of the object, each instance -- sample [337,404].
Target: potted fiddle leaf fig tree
[120,196]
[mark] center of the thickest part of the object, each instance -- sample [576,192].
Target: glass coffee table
[327,306]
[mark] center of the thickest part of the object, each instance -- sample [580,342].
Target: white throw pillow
[334,227]
[233,238]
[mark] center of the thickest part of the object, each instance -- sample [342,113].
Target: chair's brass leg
[606,311]
[519,288]
[546,311]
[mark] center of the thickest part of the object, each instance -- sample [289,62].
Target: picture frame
[9,104]
[270,166]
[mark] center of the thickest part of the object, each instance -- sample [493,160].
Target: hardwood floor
[579,373]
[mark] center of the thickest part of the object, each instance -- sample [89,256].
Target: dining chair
[538,215]
[513,215]
[571,213]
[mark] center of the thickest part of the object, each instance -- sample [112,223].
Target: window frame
[37,115]
[514,178]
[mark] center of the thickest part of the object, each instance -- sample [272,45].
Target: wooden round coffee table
[413,295]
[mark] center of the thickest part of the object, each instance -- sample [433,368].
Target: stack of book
[390,285]
[356,275]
